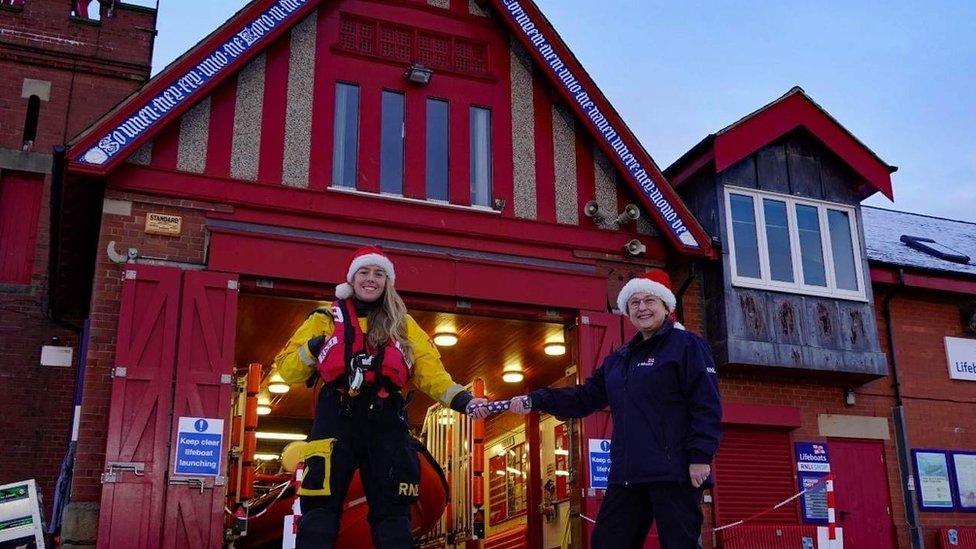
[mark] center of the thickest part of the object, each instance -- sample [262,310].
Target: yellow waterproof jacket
[296,363]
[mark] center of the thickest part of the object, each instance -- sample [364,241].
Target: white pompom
[343,291]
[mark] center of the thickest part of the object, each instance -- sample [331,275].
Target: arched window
[30,122]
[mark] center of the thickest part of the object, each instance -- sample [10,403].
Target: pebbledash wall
[78,69]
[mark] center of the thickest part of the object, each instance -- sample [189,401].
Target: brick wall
[938,410]
[812,398]
[35,411]
[90,68]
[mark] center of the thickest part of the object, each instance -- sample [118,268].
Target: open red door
[599,335]
[136,453]
[204,377]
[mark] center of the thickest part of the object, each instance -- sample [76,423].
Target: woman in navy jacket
[663,396]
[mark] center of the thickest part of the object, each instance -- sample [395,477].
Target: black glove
[315,345]
[460,402]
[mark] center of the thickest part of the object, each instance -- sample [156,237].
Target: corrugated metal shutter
[753,472]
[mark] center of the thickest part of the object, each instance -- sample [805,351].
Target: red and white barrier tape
[831,525]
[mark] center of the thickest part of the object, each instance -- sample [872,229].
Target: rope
[777,506]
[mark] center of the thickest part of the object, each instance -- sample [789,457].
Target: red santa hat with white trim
[363,257]
[654,282]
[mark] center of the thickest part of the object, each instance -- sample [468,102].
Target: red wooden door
[136,452]
[204,368]
[598,335]
[861,493]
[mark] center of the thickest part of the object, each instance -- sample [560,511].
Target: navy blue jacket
[664,400]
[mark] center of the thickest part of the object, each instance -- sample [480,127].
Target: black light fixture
[419,74]
[850,398]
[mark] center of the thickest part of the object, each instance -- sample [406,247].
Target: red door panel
[136,451]
[861,493]
[204,368]
[599,335]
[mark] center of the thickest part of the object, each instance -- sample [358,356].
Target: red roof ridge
[793,109]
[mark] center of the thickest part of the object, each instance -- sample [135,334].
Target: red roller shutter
[753,472]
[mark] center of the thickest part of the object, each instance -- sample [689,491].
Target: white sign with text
[961,353]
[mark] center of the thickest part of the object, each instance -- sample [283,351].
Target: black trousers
[627,513]
[371,435]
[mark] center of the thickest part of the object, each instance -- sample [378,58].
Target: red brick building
[859,367]
[60,73]
[465,138]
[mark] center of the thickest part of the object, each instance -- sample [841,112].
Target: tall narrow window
[346,136]
[778,240]
[437,149]
[744,234]
[391,144]
[842,247]
[30,122]
[811,246]
[480,157]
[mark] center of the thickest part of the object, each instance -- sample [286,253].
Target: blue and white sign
[184,86]
[599,462]
[812,464]
[199,446]
[602,124]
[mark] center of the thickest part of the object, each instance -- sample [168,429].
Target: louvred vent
[434,51]
[403,44]
[396,43]
[470,57]
[357,35]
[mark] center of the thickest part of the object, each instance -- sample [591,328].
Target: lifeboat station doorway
[493,473]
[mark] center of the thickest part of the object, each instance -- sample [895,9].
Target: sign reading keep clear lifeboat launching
[198,446]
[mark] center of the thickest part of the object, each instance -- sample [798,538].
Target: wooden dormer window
[780,242]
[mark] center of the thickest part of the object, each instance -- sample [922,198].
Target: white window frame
[765,282]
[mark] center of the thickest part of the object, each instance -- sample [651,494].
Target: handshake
[481,408]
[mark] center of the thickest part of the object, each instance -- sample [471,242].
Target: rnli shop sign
[198,446]
[812,465]
[961,353]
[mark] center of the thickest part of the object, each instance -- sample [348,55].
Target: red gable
[188,80]
[793,110]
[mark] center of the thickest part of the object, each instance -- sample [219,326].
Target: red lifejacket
[389,368]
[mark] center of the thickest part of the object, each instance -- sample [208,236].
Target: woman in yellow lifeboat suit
[360,421]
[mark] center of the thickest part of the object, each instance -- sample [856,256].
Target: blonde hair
[390,320]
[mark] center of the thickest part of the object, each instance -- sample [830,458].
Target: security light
[419,74]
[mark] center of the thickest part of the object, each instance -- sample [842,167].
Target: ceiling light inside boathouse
[512,374]
[445,339]
[277,385]
[264,404]
[554,348]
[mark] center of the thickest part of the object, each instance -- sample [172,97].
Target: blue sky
[899,75]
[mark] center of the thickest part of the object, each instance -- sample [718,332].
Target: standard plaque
[164,224]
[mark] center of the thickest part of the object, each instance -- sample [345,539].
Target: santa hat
[656,282]
[367,255]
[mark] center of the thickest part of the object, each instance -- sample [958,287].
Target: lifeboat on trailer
[267,513]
